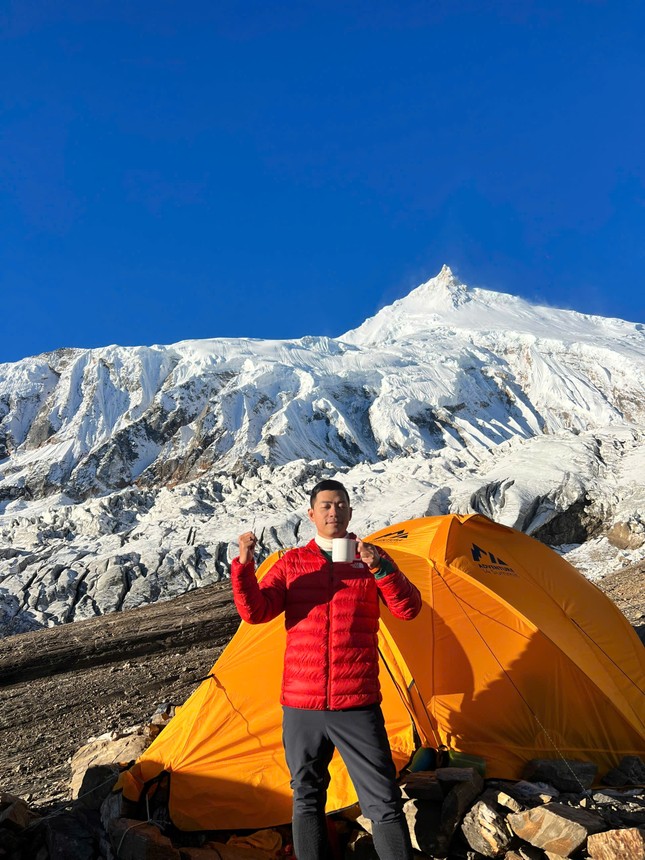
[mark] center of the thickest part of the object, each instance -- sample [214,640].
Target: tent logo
[491,563]
[400,534]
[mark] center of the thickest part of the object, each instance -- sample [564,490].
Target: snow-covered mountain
[126,473]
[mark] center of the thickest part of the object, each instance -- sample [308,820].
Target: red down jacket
[331,617]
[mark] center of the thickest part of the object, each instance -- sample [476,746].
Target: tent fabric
[515,655]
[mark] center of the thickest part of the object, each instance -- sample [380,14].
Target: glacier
[127,473]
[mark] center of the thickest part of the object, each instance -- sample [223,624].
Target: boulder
[7,799]
[422,785]
[361,847]
[563,774]
[531,793]
[116,806]
[448,776]
[629,535]
[630,771]
[555,827]
[17,814]
[97,784]
[68,835]
[459,798]
[424,823]
[529,852]
[138,840]
[505,800]
[485,829]
[613,844]
[160,719]
[107,749]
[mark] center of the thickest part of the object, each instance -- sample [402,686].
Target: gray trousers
[310,738]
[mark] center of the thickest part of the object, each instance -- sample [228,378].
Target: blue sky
[274,169]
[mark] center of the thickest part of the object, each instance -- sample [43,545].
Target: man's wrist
[382,568]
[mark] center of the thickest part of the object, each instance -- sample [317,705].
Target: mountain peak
[443,291]
[428,304]
[445,303]
[446,275]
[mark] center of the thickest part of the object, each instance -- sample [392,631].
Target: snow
[130,471]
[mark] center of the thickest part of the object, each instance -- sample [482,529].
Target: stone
[138,840]
[424,823]
[107,749]
[555,827]
[623,536]
[503,799]
[485,829]
[12,845]
[528,852]
[631,819]
[163,714]
[450,775]
[630,771]
[97,784]
[532,793]
[7,799]
[350,813]
[18,815]
[67,836]
[361,847]
[160,719]
[456,802]
[616,796]
[422,785]
[116,806]
[617,844]
[563,774]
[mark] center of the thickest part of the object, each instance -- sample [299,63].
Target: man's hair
[327,484]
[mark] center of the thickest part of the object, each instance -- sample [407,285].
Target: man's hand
[369,554]
[247,542]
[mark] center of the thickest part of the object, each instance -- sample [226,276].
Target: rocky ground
[62,685]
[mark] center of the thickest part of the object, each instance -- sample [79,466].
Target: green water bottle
[462,759]
[425,758]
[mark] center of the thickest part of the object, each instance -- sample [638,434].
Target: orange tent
[515,655]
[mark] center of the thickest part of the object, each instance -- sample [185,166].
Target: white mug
[343,549]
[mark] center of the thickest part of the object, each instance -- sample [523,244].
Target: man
[330,687]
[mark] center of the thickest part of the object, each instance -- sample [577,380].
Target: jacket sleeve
[258,602]
[401,596]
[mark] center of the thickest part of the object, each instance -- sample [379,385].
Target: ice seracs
[126,473]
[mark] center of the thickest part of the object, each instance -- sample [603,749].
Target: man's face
[331,514]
